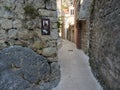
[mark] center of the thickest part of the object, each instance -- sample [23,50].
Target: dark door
[78,34]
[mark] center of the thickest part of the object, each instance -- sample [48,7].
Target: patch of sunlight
[81,1]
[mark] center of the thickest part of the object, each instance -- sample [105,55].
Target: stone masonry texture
[28,59]
[20,24]
[23,69]
[104,49]
[82,14]
[103,32]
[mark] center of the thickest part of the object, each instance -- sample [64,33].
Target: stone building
[67,16]
[21,29]
[103,32]
[20,24]
[82,15]
[68,19]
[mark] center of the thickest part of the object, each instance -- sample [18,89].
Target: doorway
[81,34]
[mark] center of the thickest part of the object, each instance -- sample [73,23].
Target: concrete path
[75,71]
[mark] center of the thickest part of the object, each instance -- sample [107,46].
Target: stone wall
[82,14]
[76,9]
[104,48]
[103,38]
[23,69]
[20,24]
[84,36]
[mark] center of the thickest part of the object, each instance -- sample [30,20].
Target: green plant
[59,23]
[31,11]
[64,7]
[8,8]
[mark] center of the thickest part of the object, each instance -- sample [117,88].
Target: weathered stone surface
[85,9]
[39,4]
[53,19]
[45,12]
[23,69]
[12,33]
[55,72]
[54,25]
[38,45]
[39,51]
[104,39]
[3,35]
[10,81]
[51,4]
[17,24]
[2,44]
[23,35]
[6,24]
[54,34]
[55,69]
[21,21]
[32,24]
[103,31]
[50,51]
[52,43]
[1,11]
[51,59]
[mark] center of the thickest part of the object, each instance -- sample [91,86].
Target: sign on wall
[45,26]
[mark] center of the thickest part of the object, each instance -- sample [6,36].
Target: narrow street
[75,71]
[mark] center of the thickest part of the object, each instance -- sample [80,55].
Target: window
[72,12]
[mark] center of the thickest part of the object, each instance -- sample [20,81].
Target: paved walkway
[75,70]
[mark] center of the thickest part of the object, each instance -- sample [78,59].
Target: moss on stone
[47,0]
[8,8]
[31,11]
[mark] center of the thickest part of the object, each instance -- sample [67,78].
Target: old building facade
[26,25]
[20,24]
[103,38]
[67,15]
[82,15]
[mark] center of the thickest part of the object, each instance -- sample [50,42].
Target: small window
[72,12]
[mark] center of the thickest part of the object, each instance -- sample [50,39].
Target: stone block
[50,51]
[23,35]
[3,35]
[54,25]
[12,33]
[38,4]
[17,24]
[22,29]
[54,33]
[53,19]
[44,12]
[21,68]
[38,45]
[51,5]
[6,24]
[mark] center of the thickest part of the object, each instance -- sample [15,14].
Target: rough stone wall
[104,48]
[84,36]
[20,24]
[23,69]
[76,8]
[82,13]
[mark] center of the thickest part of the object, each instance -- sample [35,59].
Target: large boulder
[23,69]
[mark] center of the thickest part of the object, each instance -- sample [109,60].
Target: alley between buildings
[75,70]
